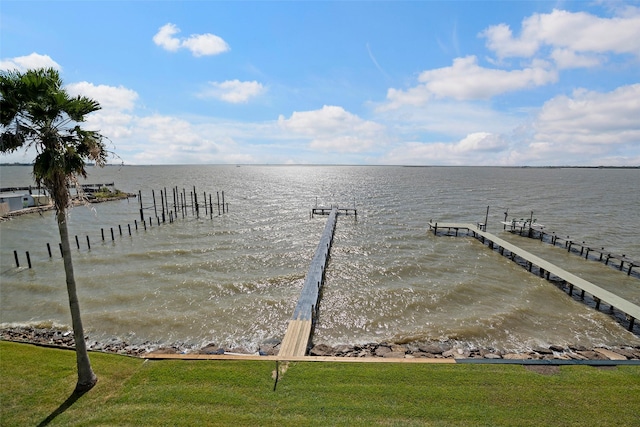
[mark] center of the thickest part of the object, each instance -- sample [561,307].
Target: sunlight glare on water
[234,279]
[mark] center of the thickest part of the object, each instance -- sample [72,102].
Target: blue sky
[505,83]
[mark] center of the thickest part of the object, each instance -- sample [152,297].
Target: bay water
[234,279]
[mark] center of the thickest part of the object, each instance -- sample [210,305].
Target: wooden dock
[298,334]
[538,231]
[632,311]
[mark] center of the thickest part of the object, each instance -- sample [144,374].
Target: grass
[36,383]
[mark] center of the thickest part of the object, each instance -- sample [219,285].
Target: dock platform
[632,311]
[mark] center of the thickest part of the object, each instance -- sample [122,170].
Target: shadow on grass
[65,405]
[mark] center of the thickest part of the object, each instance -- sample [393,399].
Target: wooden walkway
[298,334]
[631,310]
[537,231]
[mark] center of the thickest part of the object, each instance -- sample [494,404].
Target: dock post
[486,218]
[15,256]
[195,201]
[49,249]
[155,208]
[218,196]
[175,201]
[28,260]
[141,208]
[223,211]
[77,242]
[162,198]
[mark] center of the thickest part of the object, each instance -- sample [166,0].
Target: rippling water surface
[234,279]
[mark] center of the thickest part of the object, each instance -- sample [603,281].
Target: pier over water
[298,332]
[546,269]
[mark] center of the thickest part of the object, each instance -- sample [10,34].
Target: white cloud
[164,38]
[113,120]
[198,44]
[591,118]
[574,31]
[234,91]
[29,62]
[566,58]
[334,129]
[109,97]
[481,148]
[466,80]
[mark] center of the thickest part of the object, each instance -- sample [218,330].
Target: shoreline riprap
[433,350]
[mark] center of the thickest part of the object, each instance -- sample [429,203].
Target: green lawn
[36,382]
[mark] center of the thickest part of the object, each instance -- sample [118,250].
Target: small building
[10,202]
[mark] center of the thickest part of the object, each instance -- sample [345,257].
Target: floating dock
[631,311]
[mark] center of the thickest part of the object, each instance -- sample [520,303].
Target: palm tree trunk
[86,378]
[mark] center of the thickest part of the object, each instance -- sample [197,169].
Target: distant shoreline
[405,166]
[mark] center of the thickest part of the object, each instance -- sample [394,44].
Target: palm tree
[37,112]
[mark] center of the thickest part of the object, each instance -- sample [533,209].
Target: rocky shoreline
[435,350]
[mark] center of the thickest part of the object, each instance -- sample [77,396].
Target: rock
[557,348]
[589,355]
[343,349]
[211,349]
[492,356]
[457,353]
[578,347]
[382,350]
[267,350]
[164,350]
[576,356]
[321,350]
[611,355]
[625,352]
[398,348]
[543,350]
[430,348]
[562,356]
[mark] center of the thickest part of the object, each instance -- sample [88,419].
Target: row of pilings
[170,209]
[577,247]
[163,213]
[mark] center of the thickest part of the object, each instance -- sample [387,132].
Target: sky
[496,83]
